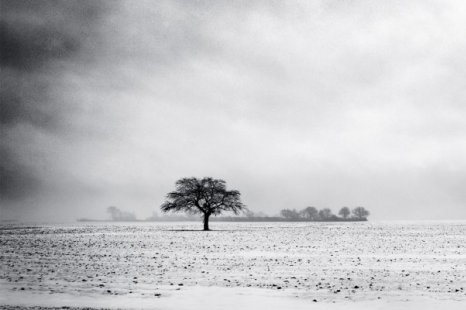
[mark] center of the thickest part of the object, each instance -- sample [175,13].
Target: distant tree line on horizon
[306,214]
[325,214]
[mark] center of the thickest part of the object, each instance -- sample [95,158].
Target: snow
[238,266]
[219,298]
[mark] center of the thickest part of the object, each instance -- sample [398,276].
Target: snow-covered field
[391,265]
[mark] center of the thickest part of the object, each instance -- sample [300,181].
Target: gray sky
[323,103]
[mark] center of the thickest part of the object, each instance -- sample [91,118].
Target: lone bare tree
[344,212]
[360,213]
[207,196]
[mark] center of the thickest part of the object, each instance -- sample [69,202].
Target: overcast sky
[293,103]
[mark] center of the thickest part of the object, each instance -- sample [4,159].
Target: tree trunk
[206,221]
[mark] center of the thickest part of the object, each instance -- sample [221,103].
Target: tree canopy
[206,196]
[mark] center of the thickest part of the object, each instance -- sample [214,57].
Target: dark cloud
[36,39]
[15,178]
[27,47]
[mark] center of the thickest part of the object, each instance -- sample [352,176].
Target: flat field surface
[369,265]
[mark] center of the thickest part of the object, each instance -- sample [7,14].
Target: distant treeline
[325,214]
[308,214]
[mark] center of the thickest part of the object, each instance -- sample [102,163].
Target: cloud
[37,39]
[324,103]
